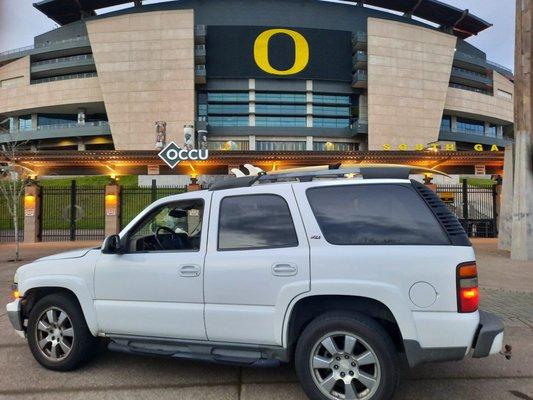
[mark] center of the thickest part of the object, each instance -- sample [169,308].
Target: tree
[13,180]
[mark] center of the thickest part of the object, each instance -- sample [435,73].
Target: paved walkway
[506,288]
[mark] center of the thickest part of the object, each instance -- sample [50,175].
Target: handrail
[41,45]
[62,126]
[64,59]
[64,77]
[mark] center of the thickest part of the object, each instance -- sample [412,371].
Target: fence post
[32,214]
[496,196]
[465,204]
[72,214]
[154,190]
[112,209]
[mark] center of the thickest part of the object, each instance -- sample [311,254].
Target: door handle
[284,269]
[190,271]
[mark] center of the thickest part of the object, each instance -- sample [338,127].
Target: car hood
[68,254]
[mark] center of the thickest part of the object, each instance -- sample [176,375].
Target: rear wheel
[58,335]
[342,356]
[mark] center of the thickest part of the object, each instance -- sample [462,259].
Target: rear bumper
[489,339]
[482,332]
[14,313]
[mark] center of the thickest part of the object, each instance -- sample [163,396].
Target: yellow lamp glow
[29,201]
[111,200]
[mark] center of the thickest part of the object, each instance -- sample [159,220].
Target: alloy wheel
[54,333]
[344,366]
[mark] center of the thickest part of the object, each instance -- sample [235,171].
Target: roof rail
[366,171]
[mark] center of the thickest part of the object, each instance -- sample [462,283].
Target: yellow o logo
[301,52]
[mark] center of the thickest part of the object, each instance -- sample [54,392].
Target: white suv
[341,275]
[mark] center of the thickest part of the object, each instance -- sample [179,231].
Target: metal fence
[72,213]
[7,228]
[474,206]
[134,200]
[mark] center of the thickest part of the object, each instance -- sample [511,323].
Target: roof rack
[368,171]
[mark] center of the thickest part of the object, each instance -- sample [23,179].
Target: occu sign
[172,154]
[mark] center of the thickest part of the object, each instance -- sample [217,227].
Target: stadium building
[291,82]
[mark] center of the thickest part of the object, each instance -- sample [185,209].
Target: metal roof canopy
[460,22]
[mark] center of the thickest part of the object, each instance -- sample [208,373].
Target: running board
[199,351]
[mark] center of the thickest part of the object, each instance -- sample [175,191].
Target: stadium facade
[257,78]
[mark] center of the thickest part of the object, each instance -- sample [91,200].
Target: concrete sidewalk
[506,289]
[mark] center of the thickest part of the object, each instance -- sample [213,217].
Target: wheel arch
[34,293]
[307,308]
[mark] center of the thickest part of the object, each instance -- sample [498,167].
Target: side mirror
[112,245]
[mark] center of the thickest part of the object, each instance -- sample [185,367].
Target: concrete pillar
[453,120]
[522,235]
[81,145]
[34,122]
[81,116]
[112,209]
[13,124]
[487,128]
[251,140]
[32,214]
[505,227]
[193,186]
[309,143]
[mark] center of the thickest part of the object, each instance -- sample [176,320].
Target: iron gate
[135,199]
[7,228]
[474,206]
[72,213]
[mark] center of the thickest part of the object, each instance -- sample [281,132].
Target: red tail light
[467,288]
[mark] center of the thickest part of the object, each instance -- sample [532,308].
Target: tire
[374,377]
[67,343]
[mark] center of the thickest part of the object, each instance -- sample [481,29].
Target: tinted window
[255,222]
[374,215]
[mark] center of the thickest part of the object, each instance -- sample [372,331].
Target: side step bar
[252,356]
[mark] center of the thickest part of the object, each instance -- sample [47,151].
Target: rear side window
[374,215]
[255,222]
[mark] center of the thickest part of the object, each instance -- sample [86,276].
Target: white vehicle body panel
[63,271]
[142,293]
[244,301]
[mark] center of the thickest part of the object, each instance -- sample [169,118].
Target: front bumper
[14,313]
[489,338]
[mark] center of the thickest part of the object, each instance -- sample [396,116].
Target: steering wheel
[174,237]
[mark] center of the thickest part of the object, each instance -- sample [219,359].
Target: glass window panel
[281,121]
[228,109]
[470,126]
[266,145]
[330,110]
[228,145]
[331,99]
[331,122]
[255,222]
[276,97]
[374,215]
[333,146]
[174,226]
[228,121]
[283,109]
[229,97]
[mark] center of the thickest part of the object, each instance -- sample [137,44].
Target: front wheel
[58,335]
[346,356]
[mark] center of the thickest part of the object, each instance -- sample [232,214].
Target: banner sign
[266,52]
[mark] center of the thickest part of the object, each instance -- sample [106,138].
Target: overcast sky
[20,23]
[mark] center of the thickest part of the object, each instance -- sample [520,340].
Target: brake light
[467,288]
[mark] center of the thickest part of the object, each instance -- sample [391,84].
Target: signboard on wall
[480,170]
[267,52]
